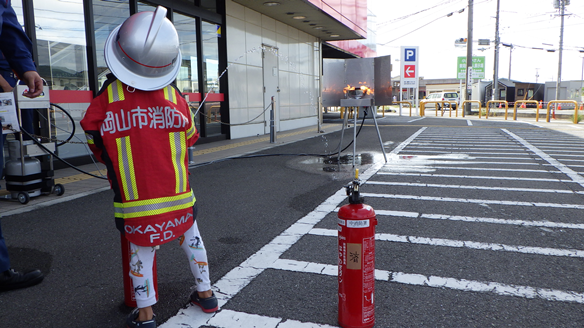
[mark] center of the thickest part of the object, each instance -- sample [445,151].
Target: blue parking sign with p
[410,54]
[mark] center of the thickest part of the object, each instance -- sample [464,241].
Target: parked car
[440,96]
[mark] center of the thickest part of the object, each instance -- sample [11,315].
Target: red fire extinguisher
[356,242]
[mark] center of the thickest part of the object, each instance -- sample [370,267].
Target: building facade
[240,57]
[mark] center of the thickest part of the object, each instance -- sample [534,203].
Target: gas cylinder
[356,245]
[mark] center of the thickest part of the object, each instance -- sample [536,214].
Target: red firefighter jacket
[142,137]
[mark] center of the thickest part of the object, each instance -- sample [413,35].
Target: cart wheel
[23,197]
[59,189]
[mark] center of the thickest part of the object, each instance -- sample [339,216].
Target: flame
[366,90]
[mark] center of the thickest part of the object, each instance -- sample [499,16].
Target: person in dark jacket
[17,49]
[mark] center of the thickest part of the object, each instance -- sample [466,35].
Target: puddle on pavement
[337,164]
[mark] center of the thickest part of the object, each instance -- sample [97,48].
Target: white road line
[466,162]
[569,150]
[567,159]
[547,251]
[467,148]
[437,150]
[468,122]
[482,169]
[432,185]
[471,177]
[234,319]
[567,171]
[449,283]
[473,219]
[239,277]
[475,201]
[493,157]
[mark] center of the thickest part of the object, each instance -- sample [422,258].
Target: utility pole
[510,53]
[496,69]
[468,91]
[562,4]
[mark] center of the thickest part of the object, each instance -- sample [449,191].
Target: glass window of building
[107,16]
[17,6]
[187,79]
[209,34]
[60,32]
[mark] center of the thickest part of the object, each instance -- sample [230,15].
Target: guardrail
[406,102]
[521,102]
[470,102]
[547,118]
[423,106]
[497,102]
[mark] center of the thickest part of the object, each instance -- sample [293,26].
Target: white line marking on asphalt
[468,122]
[487,169]
[239,277]
[475,201]
[452,283]
[417,119]
[468,148]
[234,319]
[567,171]
[471,177]
[414,159]
[462,244]
[472,219]
[432,185]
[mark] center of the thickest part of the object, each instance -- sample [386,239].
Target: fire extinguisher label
[341,222]
[357,223]
[354,256]
[368,279]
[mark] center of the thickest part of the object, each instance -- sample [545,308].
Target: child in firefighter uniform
[140,127]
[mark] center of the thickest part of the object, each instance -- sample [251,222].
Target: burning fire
[366,90]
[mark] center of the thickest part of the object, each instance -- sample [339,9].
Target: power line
[413,14]
[430,22]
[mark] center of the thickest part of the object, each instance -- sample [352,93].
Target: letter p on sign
[410,54]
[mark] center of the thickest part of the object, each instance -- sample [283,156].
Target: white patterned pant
[142,261]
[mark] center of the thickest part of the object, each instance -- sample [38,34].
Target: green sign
[478,67]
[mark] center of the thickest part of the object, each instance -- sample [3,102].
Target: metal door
[271,86]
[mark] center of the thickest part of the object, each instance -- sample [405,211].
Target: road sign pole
[468,90]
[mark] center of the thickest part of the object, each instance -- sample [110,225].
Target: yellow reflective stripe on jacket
[126,168]
[169,94]
[115,91]
[192,129]
[154,206]
[178,147]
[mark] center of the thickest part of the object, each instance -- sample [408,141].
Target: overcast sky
[525,24]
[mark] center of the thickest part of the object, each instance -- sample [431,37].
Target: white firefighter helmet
[143,52]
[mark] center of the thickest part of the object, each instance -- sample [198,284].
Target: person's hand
[34,82]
